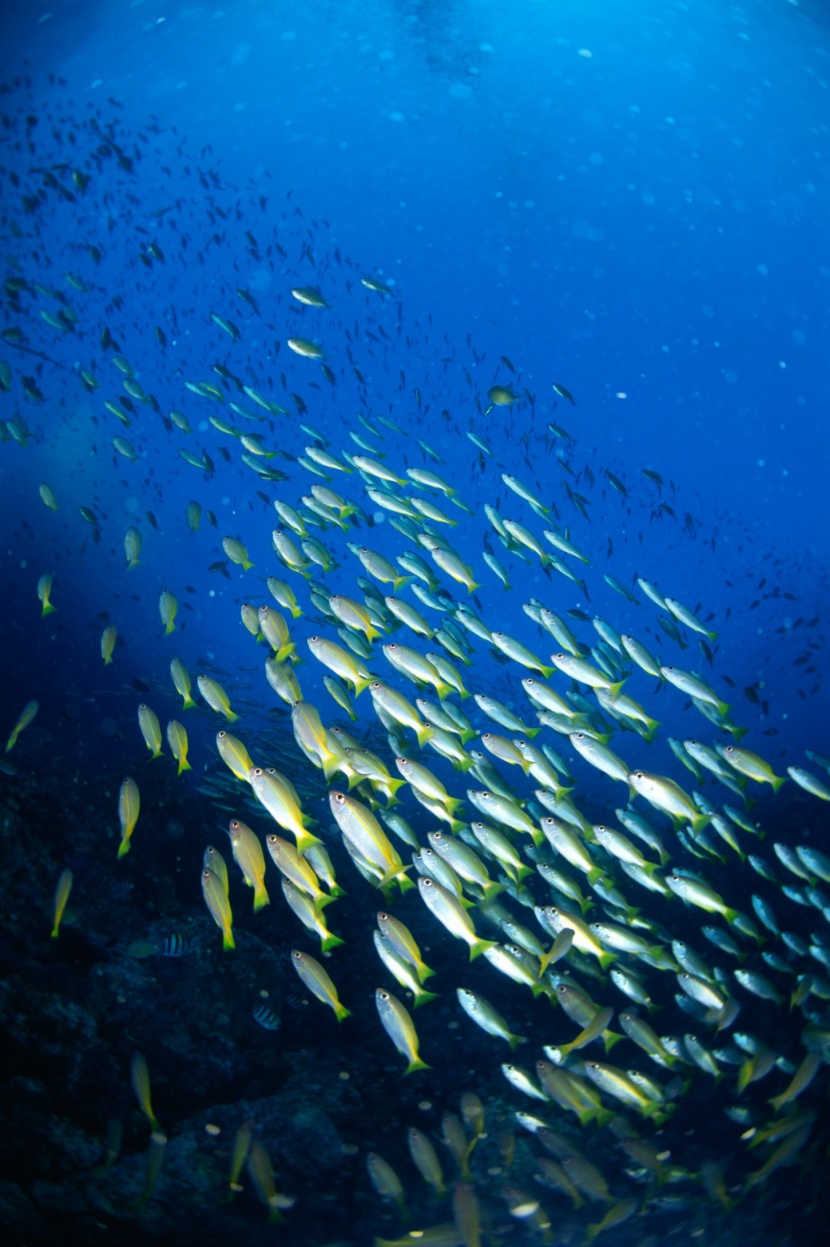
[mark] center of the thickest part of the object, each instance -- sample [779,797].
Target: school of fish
[490,768]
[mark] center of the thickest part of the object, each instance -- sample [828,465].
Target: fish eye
[296,954]
[258,771]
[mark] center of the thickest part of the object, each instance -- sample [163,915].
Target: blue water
[625,201]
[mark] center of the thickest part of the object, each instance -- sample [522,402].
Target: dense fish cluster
[343,579]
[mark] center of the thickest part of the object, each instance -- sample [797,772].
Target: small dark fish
[266,1017]
[563,393]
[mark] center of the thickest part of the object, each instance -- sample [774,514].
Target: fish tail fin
[547,672]
[231,716]
[108,660]
[188,703]
[361,685]
[423,734]
[712,635]
[532,732]
[515,1040]
[331,941]
[423,998]
[479,946]
[227,940]
[246,563]
[416,1064]
[606,959]
[777,781]
[609,1038]
[184,765]
[372,632]
[322,901]
[723,708]
[341,1012]
[48,609]
[400,582]
[616,688]
[424,972]
[444,690]
[123,848]
[492,889]
[171,627]
[261,898]
[731,915]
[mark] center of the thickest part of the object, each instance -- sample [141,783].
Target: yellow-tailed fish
[181,682]
[309,915]
[236,552]
[362,830]
[451,914]
[312,738]
[262,1176]
[108,640]
[318,982]
[400,1028]
[279,797]
[248,855]
[132,547]
[140,1078]
[234,754]
[168,608]
[216,697]
[129,804]
[64,887]
[485,1016]
[150,729]
[177,740]
[215,892]
[297,869]
[44,590]
[27,714]
[402,941]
